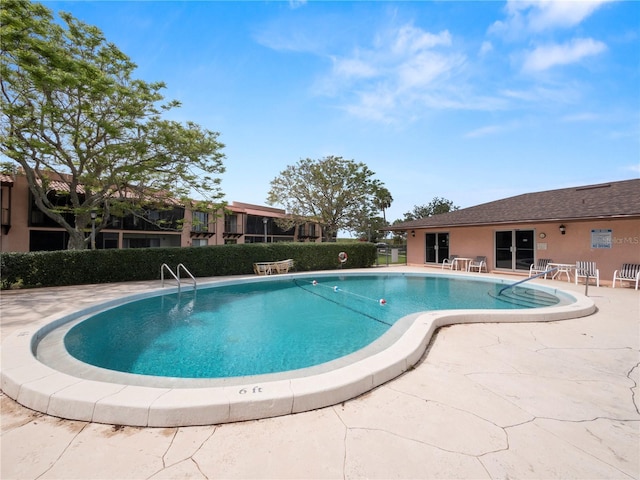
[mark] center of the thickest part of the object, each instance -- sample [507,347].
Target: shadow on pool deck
[532,400]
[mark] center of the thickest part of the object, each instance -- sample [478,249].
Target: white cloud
[486,131]
[634,168]
[297,3]
[410,39]
[566,93]
[485,48]
[423,69]
[374,105]
[581,117]
[459,97]
[402,70]
[545,57]
[547,14]
[494,129]
[353,68]
[526,16]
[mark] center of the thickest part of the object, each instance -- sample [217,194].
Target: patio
[529,400]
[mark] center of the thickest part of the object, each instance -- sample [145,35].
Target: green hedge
[77,267]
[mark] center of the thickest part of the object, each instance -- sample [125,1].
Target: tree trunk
[329,234]
[77,240]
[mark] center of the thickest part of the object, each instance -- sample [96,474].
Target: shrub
[76,267]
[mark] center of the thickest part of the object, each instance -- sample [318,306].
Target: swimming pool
[60,385]
[256,328]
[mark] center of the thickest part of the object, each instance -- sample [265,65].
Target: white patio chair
[449,262]
[629,271]
[478,264]
[587,270]
[541,266]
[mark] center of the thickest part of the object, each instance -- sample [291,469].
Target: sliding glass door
[514,249]
[437,247]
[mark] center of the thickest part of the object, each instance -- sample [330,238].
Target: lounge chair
[478,264]
[629,271]
[284,266]
[587,270]
[541,266]
[262,268]
[449,262]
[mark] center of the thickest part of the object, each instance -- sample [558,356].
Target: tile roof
[60,186]
[6,179]
[60,182]
[606,200]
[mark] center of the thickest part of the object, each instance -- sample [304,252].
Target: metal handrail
[164,265]
[546,272]
[176,275]
[180,265]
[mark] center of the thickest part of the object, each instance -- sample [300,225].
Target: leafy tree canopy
[435,207]
[370,229]
[72,111]
[335,192]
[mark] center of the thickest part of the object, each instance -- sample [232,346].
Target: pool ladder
[176,275]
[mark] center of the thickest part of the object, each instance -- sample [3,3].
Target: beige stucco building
[24,227]
[598,223]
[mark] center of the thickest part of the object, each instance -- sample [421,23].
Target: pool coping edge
[41,388]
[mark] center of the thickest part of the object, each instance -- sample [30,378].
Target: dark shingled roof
[605,200]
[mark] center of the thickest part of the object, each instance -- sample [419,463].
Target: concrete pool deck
[528,400]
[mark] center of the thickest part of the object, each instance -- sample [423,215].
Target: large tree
[370,228]
[332,191]
[436,206]
[72,112]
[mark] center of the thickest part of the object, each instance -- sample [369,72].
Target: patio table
[459,262]
[562,268]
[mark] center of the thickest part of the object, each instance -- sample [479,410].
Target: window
[200,242]
[200,222]
[307,230]
[154,220]
[231,224]
[61,203]
[137,242]
[256,225]
[42,240]
[109,240]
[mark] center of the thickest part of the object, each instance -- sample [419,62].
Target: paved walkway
[546,400]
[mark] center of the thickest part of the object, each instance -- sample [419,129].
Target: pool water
[263,327]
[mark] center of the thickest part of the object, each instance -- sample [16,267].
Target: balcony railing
[202,231]
[232,232]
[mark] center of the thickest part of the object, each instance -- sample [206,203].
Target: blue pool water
[270,326]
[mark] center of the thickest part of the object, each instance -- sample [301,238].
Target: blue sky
[469,101]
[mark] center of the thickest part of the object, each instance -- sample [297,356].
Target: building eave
[416,226]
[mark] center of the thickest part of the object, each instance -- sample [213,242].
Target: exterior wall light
[563,229]
[413,233]
[94,215]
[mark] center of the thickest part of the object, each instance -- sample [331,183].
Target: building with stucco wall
[598,223]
